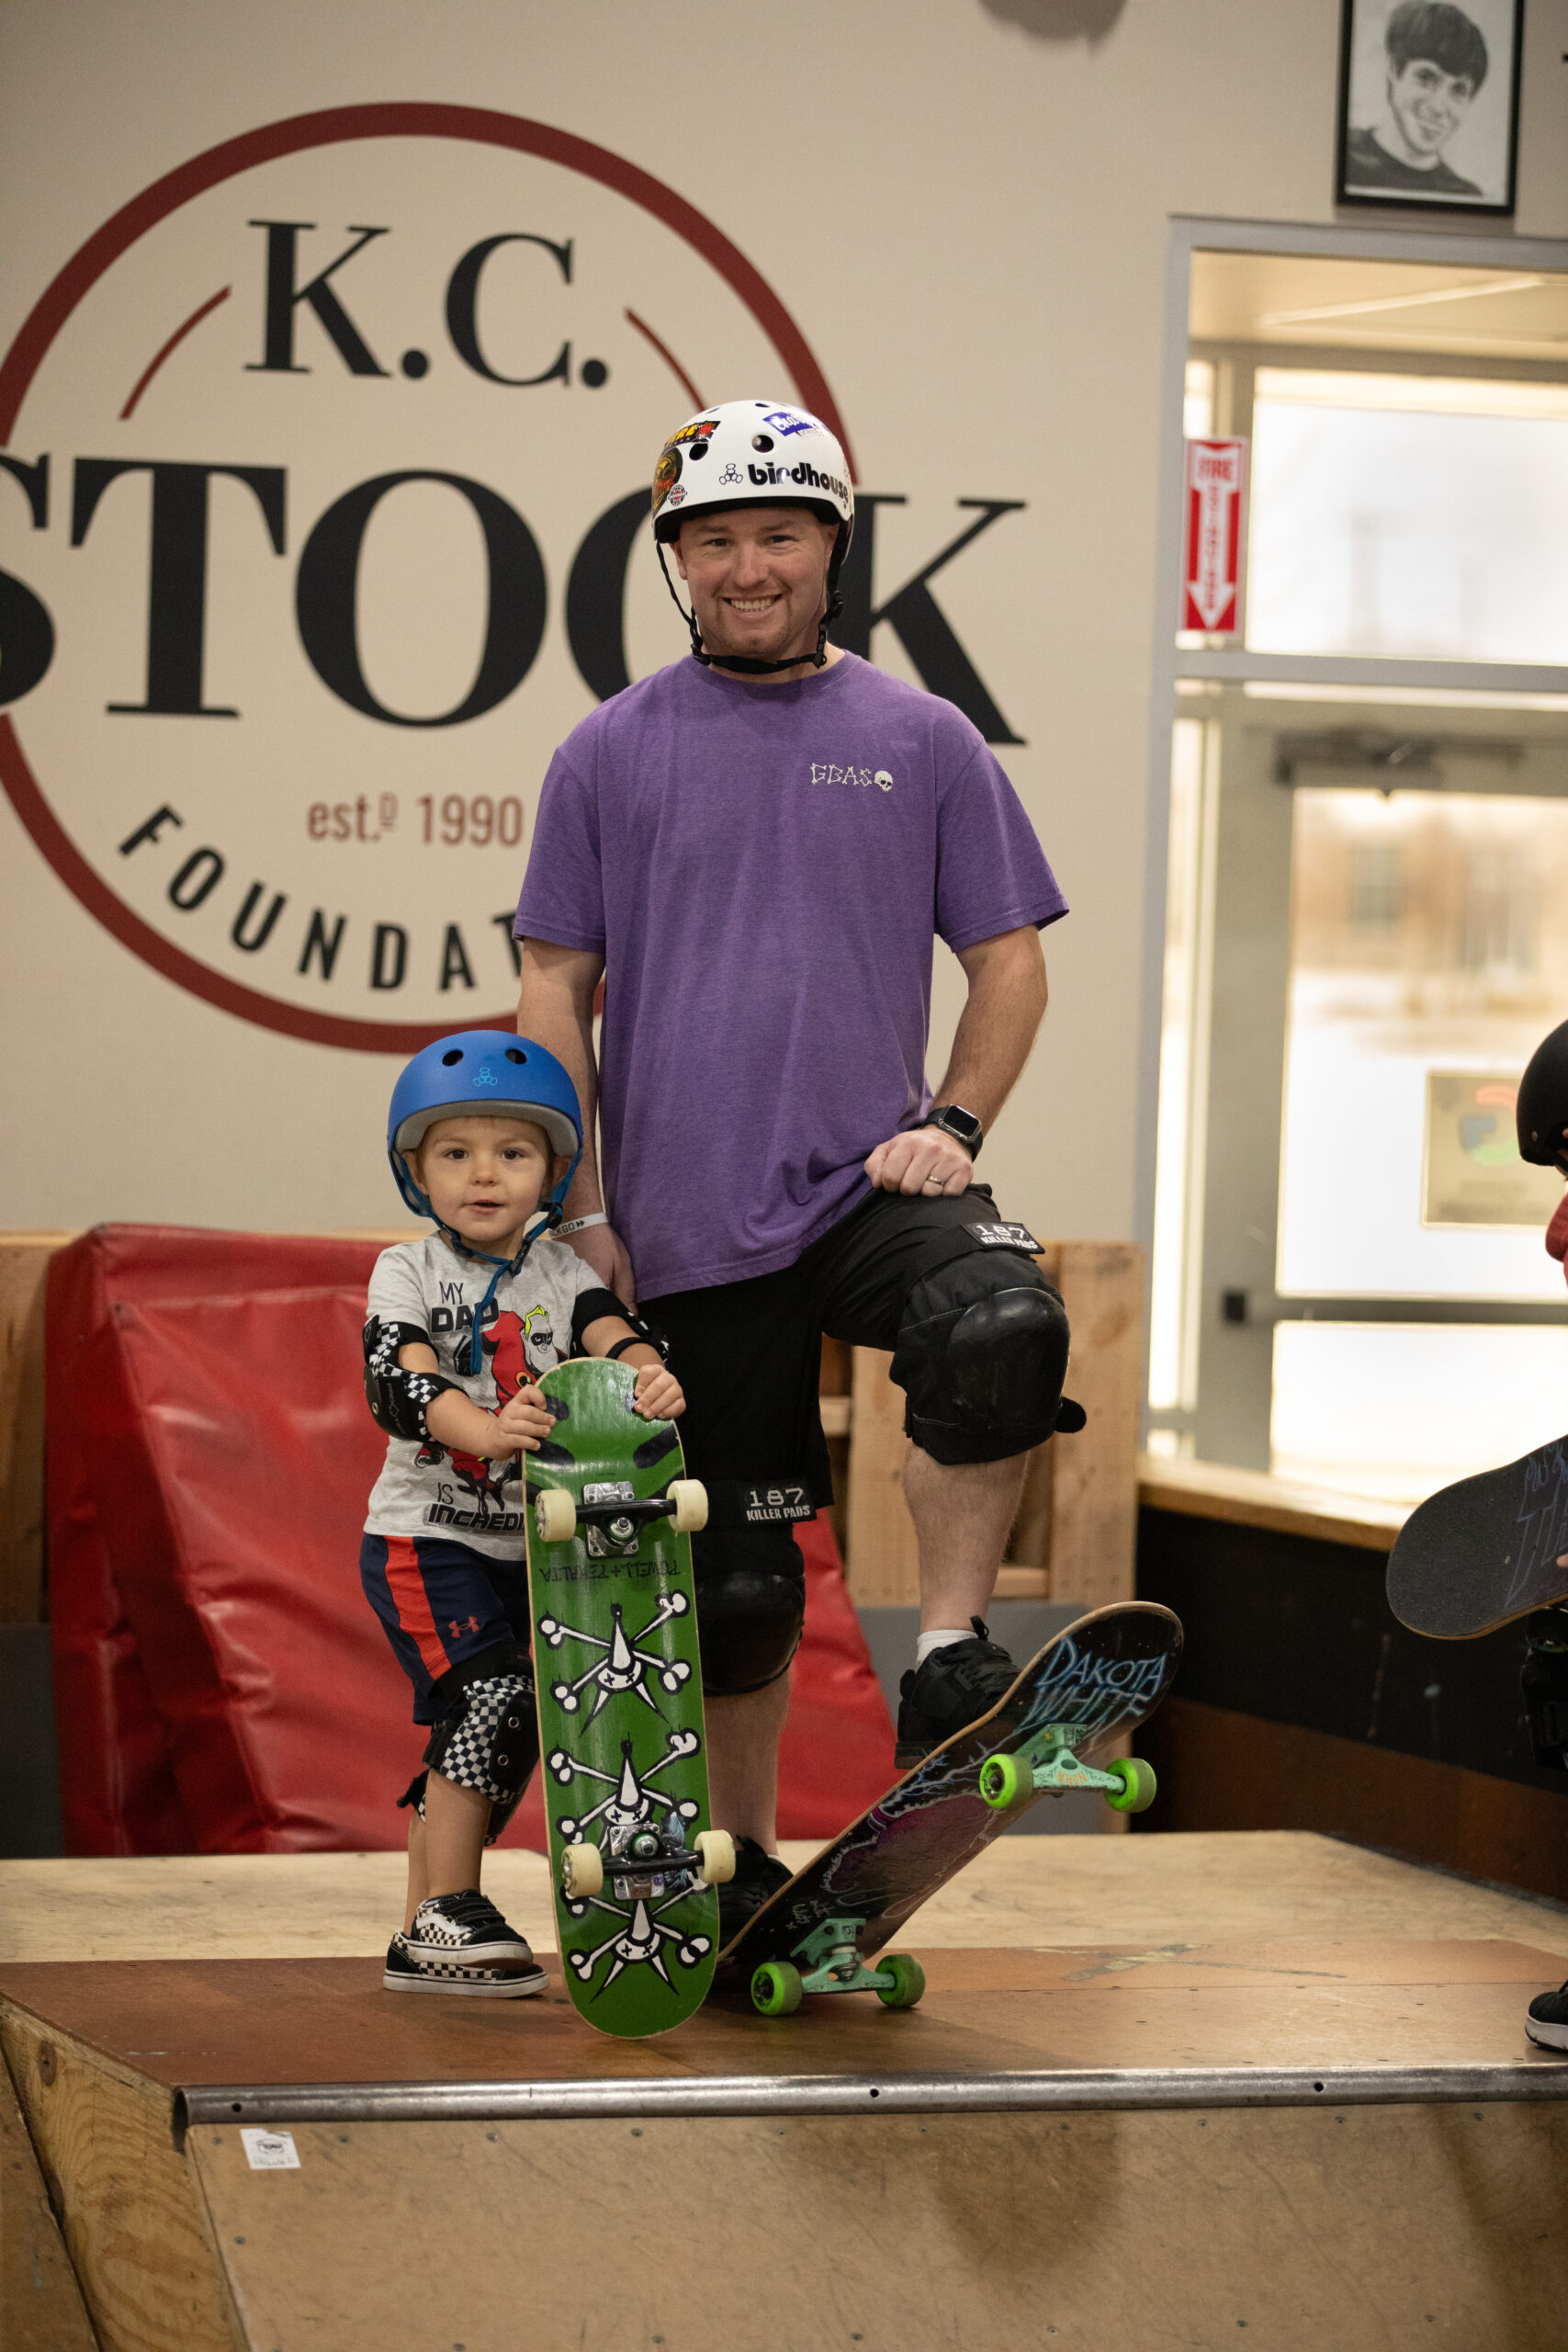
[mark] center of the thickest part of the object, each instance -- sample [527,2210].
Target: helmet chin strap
[504,1266]
[744,662]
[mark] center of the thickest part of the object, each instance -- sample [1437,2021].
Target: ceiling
[1379,306]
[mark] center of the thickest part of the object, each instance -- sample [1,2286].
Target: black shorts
[748,1354]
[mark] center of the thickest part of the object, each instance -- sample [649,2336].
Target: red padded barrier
[837,1756]
[221,1685]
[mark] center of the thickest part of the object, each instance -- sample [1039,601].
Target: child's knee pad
[486,1735]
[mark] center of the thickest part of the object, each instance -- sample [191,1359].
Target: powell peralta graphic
[634,1860]
[823,1932]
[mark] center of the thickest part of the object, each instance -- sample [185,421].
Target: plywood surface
[329,2020]
[40,2304]
[1097,2234]
[137,2238]
[1198,1886]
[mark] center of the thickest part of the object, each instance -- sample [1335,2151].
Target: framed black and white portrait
[1430,103]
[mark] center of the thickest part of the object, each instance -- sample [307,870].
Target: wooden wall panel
[1094,1492]
[1078,1522]
[882,1562]
[1222,1769]
[24,1262]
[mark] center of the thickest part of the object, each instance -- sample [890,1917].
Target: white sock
[938,1639]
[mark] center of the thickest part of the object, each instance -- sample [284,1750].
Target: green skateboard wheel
[776,1989]
[1137,1791]
[909,1981]
[1002,1783]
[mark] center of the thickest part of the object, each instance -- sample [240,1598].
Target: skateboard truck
[558,1516]
[832,1963]
[641,1863]
[1049,1764]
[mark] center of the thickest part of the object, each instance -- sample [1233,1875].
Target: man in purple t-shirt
[755,848]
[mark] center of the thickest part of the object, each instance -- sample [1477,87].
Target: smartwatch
[962,1125]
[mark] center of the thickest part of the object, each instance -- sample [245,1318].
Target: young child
[484,1136]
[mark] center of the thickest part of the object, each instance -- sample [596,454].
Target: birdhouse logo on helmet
[298,493]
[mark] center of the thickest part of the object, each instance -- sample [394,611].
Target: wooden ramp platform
[1287,2134]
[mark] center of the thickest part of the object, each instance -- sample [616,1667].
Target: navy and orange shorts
[441,1604]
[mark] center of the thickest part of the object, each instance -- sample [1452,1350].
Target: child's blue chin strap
[504,1266]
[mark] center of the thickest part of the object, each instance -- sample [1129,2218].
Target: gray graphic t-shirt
[426,1489]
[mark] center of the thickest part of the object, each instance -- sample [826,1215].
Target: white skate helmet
[753,453]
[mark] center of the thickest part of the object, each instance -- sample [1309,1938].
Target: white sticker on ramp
[271,2150]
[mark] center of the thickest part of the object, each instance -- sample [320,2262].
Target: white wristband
[582,1224]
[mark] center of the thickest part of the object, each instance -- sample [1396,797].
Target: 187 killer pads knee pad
[750,1606]
[982,1354]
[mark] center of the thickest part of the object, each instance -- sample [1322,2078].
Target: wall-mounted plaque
[1473,1174]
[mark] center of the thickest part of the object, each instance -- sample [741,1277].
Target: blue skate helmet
[497,1076]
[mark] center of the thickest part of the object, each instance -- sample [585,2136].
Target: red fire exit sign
[1213,537]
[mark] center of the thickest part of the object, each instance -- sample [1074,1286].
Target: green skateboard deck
[633,1859]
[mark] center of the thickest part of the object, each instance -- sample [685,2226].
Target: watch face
[962,1125]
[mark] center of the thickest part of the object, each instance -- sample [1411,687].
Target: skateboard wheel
[776,1989]
[1002,1783]
[909,1981]
[555,1516]
[690,1497]
[717,1848]
[582,1872]
[1137,1779]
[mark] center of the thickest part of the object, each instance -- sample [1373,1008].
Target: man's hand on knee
[922,1160]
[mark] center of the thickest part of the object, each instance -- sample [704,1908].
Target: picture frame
[1429,104]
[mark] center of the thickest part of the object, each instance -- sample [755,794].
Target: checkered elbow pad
[468,1754]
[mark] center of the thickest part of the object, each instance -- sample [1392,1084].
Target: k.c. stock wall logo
[329,441]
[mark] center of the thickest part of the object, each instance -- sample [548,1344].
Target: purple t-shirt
[763,868]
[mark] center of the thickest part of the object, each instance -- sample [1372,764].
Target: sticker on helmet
[666,474]
[785,421]
[703,429]
[731,473]
[676,495]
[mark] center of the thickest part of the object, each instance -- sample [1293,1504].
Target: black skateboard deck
[821,1933]
[1485,1550]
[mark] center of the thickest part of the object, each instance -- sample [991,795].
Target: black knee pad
[750,1606]
[487,1732]
[1543,1679]
[982,1354]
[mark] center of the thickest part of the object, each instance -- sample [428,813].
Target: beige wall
[964,205]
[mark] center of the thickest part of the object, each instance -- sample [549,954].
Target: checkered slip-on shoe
[403,1973]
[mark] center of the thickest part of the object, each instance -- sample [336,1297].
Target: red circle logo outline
[332,126]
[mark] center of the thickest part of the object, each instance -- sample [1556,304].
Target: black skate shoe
[461,1943]
[955,1688]
[757,1876]
[1548,2018]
